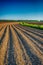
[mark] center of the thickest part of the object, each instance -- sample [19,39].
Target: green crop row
[32,25]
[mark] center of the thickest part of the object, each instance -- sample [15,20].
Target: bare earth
[20,45]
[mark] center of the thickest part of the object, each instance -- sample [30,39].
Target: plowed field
[20,45]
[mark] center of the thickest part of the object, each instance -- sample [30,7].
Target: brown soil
[18,48]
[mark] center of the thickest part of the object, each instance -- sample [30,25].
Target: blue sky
[21,9]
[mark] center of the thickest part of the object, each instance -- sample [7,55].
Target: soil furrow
[33,34]
[17,50]
[11,60]
[32,30]
[24,54]
[3,47]
[40,43]
[20,45]
[33,47]
[2,33]
[34,59]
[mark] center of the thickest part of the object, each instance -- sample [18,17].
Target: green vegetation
[32,25]
[20,21]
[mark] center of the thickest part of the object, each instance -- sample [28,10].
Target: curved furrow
[37,30]
[3,47]
[34,37]
[26,57]
[2,33]
[32,30]
[17,50]
[20,58]
[34,41]
[34,59]
[32,46]
[24,54]
[33,33]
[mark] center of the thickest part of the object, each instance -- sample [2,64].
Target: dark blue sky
[21,9]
